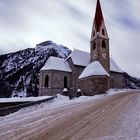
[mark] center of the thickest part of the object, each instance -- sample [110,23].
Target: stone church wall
[116,80]
[94,85]
[56,82]
[76,71]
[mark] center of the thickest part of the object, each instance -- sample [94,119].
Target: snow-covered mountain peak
[61,50]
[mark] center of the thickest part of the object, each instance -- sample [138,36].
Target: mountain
[131,82]
[19,71]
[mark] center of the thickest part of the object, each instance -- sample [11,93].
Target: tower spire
[99,43]
[98,16]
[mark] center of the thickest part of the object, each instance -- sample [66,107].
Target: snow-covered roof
[55,63]
[93,69]
[114,67]
[80,58]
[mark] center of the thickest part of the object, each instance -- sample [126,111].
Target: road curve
[114,117]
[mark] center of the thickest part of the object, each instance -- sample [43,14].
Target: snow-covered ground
[77,119]
[117,91]
[25,99]
[59,101]
[64,100]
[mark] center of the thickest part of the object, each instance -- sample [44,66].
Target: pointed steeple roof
[98,16]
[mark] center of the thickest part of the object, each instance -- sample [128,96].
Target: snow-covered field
[115,116]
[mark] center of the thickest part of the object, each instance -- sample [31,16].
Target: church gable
[80,58]
[58,64]
[94,69]
[84,58]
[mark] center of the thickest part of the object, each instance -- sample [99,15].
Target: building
[92,73]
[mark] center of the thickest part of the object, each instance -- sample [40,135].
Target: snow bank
[58,103]
[64,100]
[117,91]
[25,99]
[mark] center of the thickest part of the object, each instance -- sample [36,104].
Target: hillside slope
[19,71]
[131,82]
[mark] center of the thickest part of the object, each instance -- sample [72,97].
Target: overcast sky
[24,23]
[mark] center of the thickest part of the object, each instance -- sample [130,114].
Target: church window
[103,32]
[94,46]
[47,81]
[103,44]
[65,82]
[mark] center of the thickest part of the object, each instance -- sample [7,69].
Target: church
[91,73]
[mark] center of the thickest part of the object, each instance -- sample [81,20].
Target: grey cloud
[10,12]
[2,51]
[24,23]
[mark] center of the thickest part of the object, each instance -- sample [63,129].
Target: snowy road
[114,117]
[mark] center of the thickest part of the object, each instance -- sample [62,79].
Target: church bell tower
[99,43]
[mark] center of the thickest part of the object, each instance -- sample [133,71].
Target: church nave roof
[55,63]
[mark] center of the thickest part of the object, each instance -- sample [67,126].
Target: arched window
[103,32]
[65,82]
[94,46]
[103,44]
[47,81]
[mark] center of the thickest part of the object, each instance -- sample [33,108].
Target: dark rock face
[19,71]
[131,82]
